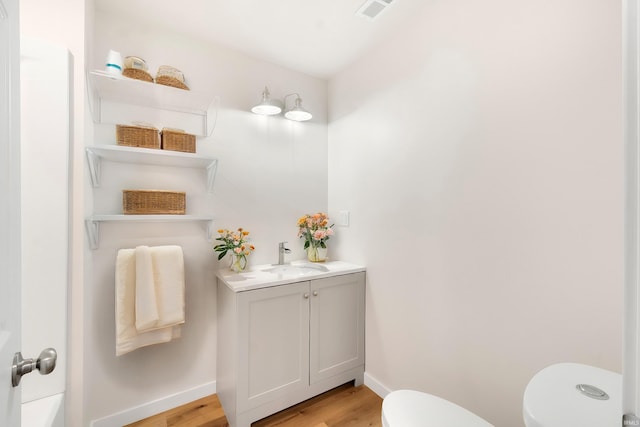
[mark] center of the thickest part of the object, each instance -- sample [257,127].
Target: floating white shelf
[93,223]
[123,90]
[148,156]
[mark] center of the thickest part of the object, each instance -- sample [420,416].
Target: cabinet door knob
[306,296]
[315,293]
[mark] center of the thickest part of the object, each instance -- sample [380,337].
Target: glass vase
[316,254]
[238,262]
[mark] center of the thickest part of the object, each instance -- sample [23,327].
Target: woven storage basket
[136,68]
[150,202]
[171,81]
[178,140]
[134,73]
[138,136]
[171,76]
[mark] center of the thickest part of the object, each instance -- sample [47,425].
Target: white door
[9,210]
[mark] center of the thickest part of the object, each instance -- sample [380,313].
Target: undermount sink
[297,269]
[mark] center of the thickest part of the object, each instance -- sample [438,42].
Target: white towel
[127,336]
[145,297]
[168,276]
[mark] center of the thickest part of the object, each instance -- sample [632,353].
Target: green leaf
[222,254]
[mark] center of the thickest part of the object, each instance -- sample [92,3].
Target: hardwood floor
[205,412]
[343,406]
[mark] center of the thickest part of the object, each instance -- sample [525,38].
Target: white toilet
[561,395]
[571,394]
[409,408]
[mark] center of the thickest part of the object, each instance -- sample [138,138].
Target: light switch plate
[343,218]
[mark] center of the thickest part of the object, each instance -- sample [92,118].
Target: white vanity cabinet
[280,345]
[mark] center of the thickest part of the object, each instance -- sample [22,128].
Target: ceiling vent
[371,9]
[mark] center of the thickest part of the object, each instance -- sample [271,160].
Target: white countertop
[257,277]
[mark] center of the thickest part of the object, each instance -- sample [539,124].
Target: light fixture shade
[298,113]
[268,106]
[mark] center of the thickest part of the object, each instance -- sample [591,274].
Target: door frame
[10,230]
[631,354]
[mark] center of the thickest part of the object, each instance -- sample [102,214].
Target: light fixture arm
[266,94]
[297,101]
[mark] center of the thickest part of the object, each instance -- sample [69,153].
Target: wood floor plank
[194,416]
[344,406]
[205,412]
[304,413]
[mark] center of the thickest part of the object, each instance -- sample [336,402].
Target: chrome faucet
[281,251]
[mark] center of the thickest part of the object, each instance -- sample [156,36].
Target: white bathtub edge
[45,412]
[154,407]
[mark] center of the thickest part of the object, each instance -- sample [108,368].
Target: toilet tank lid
[552,397]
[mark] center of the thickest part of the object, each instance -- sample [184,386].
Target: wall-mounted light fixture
[270,107]
[297,113]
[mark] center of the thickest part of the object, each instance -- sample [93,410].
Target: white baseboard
[155,407]
[376,386]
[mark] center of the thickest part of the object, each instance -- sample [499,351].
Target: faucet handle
[283,249]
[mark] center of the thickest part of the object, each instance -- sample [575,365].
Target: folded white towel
[128,338]
[145,297]
[168,275]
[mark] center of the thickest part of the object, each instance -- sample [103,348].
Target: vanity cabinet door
[336,325]
[273,346]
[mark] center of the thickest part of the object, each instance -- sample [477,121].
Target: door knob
[45,364]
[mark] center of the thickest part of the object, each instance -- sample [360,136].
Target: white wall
[270,172]
[480,153]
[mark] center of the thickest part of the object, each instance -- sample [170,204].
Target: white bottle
[114,63]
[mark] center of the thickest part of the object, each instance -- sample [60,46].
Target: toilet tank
[572,394]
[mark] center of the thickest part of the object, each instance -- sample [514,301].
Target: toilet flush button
[592,392]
